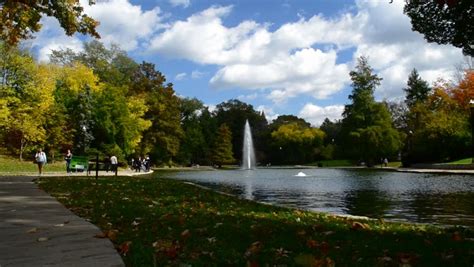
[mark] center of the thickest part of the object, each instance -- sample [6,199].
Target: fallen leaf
[312,243]
[42,239]
[32,230]
[254,249]
[185,234]
[101,235]
[456,236]
[59,225]
[112,234]
[124,248]
[359,226]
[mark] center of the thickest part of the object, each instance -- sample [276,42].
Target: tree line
[102,101]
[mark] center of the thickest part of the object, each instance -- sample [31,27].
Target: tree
[296,142]
[20,19]
[222,148]
[193,146]
[443,130]
[367,127]
[26,90]
[162,138]
[417,89]
[444,21]
[234,113]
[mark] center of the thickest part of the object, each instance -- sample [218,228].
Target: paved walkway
[36,230]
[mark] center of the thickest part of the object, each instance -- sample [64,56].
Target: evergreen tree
[417,89]
[222,149]
[367,127]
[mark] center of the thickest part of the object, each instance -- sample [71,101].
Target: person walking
[114,163]
[41,160]
[68,158]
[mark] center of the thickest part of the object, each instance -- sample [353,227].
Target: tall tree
[367,126]
[417,89]
[222,148]
[193,146]
[19,19]
[26,90]
[163,137]
[444,21]
[234,113]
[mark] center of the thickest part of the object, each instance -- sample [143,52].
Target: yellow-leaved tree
[26,91]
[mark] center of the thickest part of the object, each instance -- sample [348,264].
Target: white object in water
[301,174]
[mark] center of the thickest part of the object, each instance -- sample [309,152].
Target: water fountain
[248,155]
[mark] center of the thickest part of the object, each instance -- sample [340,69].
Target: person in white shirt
[41,160]
[114,163]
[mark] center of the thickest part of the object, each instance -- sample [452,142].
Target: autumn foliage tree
[20,19]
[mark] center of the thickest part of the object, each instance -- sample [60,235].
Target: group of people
[111,162]
[141,164]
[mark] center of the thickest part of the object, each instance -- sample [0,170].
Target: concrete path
[36,230]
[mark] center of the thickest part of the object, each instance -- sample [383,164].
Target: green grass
[461,161]
[14,165]
[335,163]
[154,221]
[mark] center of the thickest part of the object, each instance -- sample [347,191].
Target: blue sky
[281,56]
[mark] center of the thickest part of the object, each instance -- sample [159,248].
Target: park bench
[101,166]
[79,163]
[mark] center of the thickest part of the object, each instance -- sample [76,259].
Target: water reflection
[437,199]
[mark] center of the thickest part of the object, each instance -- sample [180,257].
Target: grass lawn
[154,221]
[461,161]
[14,165]
[335,163]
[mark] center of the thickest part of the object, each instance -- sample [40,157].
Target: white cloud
[248,97]
[183,3]
[195,74]
[394,49]
[120,22]
[180,76]
[316,114]
[289,61]
[123,23]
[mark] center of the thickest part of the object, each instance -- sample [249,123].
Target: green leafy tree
[234,113]
[367,127]
[162,138]
[19,19]
[444,21]
[222,148]
[193,145]
[297,143]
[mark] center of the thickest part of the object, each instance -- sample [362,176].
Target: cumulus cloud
[316,114]
[195,74]
[394,49]
[180,76]
[183,3]
[290,61]
[45,44]
[124,23]
[121,23]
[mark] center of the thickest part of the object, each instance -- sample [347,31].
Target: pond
[408,197]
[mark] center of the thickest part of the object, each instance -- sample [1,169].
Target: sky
[281,56]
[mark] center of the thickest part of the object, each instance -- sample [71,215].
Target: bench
[101,166]
[79,163]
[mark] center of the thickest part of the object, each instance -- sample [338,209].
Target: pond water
[409,197]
